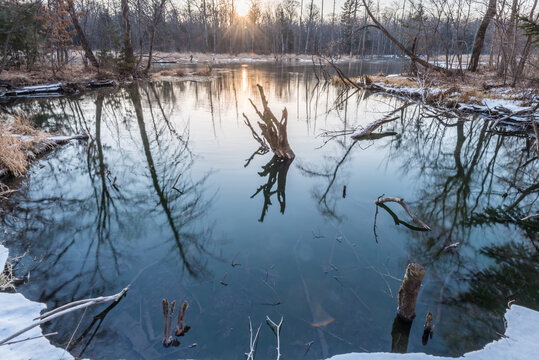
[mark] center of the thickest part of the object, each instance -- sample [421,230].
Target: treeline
[445,30]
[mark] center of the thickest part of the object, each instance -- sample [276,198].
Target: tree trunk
[402,47]
[126,27]
[480,36]
[158,11]
[85,46]
[525,52]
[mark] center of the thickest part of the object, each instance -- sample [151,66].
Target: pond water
[166,196]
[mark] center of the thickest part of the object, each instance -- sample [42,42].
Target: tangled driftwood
[273,131]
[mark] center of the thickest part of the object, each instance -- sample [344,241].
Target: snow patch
[519,342]
[17,312]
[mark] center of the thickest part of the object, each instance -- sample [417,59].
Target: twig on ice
[252,342]
[401,202]
[30,338]
[529,217]
[65,309]
[277,330]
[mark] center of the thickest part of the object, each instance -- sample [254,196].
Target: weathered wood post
[407,299]
[409,290]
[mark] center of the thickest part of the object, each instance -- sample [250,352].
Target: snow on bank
[520,342]
[496,101]
[17,312]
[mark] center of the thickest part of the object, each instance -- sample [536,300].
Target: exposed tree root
[273,131]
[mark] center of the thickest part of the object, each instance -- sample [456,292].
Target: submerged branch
[401,202]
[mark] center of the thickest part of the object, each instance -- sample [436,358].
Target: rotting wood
[65,309]
[272,130]
[409,291]
[181,329]
[167,329]
[428,329]
[371,127]
[400,201]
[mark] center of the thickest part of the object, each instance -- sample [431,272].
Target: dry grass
[45,75]
[397,80]
[7,279]
[336,80]
[17,138]
[206,72]
[177,72]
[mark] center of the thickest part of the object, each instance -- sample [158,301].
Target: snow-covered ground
[17,312]
[500,101]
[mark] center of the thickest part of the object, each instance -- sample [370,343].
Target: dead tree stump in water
[273,131]
[409,290]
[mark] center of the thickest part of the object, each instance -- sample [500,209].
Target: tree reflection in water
[79,247]
[276,170]
[465,171]
[468,177]
[472,186]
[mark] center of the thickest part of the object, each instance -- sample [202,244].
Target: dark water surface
[162,196]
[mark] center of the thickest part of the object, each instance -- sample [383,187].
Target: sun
[242,7]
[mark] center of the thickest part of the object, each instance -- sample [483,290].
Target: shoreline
[504,105]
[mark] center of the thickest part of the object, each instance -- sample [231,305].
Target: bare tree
[480,35]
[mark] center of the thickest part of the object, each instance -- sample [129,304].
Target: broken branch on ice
[252,341]
[65,309]
[401,202]
[276,328]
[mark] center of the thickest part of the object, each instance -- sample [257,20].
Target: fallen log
[56,89]
[100,84]
[36,89]
[371,127]
[401,202]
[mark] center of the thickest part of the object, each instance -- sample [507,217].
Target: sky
[242,6]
